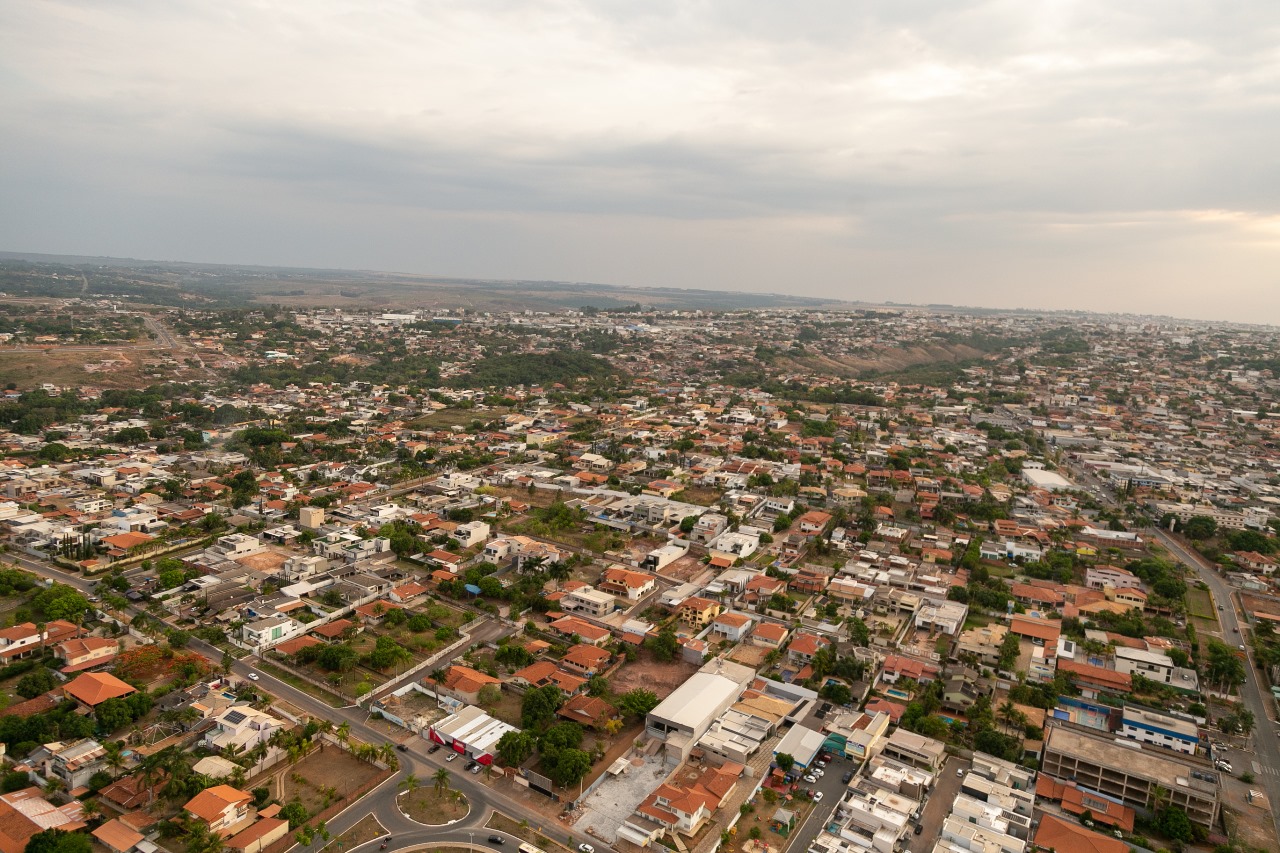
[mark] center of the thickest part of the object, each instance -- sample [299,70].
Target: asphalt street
[832,789]
[1266,748]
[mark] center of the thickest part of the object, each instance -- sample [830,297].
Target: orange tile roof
[211,803]
[94,688]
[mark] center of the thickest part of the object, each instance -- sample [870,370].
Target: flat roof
[1169,769]
[703,694]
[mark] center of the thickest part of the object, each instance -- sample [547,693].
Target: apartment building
[1122,769]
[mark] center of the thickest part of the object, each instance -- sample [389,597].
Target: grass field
[1200,604]
[326,696]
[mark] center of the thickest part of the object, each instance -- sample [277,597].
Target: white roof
[702,694]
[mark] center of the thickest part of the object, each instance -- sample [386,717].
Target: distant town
[279,576]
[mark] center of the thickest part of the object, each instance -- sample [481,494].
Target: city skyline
[1068,156]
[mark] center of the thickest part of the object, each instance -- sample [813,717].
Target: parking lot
[832,788]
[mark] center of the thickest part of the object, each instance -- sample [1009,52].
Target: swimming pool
[895,693]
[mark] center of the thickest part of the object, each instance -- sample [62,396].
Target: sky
[1106,156]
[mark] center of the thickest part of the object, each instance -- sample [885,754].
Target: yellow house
[698,612]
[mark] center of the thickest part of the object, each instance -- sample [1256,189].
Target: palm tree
[409,783]
[441,779]
[344,732]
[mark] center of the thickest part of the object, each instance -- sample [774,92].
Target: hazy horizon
[1066,155]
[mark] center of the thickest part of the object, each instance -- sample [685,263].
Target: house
[698,612]
[1152,666]
[240,728]
[93,688]
[585,660]
[407,592]
[1101,576]
[587,600]
[262,834]
[1043,633]
[1093,680]
[465,683]
[264,633]
[896,667]
[25,639]
[771,635]
[86,653]
[570,626]
[1068,837]
[804,646]
[587,710]
[118,836]
[962,689]
[73,764]
[813,522]
[731,627]
[26,812]
[677,808]
[220,808]
[626,583]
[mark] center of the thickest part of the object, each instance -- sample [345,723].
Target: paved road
[1266,748]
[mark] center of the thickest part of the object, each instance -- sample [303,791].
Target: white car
[960,771]
[451,756]
[809,778]
[817,796]
[253,676]
[586,848]
[819,772]
[1225,766]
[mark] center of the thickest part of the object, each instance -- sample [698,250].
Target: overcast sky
[1100,155]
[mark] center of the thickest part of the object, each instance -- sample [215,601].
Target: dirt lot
[426,806]
[661,678]
[684,569]
[752,656]
[319,780]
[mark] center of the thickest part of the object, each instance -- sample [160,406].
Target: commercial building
[684,716]
[1147,726]
[470,732]
[1120,769]
[587,600]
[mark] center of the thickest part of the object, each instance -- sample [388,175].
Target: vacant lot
[324,777]
[522,830]
[661,678]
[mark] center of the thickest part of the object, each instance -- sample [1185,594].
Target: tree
[664,644]
[637,702]
[515,748]
[837,692]
[296,813]
[441,781]
[113,715]
[58,841]
[597,685]
[1174,824]
[859,633]
[409,784]
[489,695]
[60,601]
[1199,528]
[570,766]
[34,683]
[1009,648]
[784,761]
[539,706]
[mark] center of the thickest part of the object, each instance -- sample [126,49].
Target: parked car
[919,829]
[819,772]
[586,848]
[435,747]
[497,839]
[1225,766]
[848,775]
[402,747]
[960,771]
[817,797]
[811,779]
[476,768]
[452,756]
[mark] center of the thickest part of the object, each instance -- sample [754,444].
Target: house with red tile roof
[770,635]
[86,653]
[465,683]
[220,807]
[587,711]
[1092,680]
[585,660]
[93,688]
[897,667]
[804,646]
[26,813]
[568,626]
[1066,837]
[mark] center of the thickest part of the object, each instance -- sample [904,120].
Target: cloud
[988,151]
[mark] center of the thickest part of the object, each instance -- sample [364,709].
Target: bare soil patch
[661,678]
[321,779]
[523,831]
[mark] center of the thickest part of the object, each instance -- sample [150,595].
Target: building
[1120,769]
[1153,666]
[241,728]
[220,808]
[697,612]
[93,688]
[625,583]
[1066,837]
[262,634]
[684,716]
[731,627]
[25,813]
[916,750]
[465,683]
[470,732]
[73,763]
[588,601]
[1152,727]
[941,615]
[86,653]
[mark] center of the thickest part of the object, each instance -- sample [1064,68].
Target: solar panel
[235,717]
